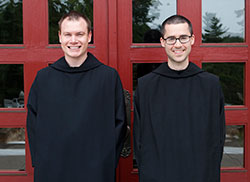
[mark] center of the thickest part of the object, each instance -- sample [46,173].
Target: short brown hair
[74,15]
[176,19]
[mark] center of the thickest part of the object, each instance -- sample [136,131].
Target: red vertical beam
[193,11]
[124,38]
[247,87]
[35,23]
[124,12]
[100,25]
[112,33]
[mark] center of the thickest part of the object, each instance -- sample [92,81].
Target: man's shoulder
[108,68]
[147,77]
[206,76]
[43,71]
[148,80]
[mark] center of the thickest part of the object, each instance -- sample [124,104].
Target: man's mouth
[178,51]
[74,47]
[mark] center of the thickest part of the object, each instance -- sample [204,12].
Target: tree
[57,8]
[11,19]
[231,77]
[213,30]
[141,17]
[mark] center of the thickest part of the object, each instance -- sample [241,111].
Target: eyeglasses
[172,39]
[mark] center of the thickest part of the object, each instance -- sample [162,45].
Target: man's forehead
[177,28]
[174,25]
[70,19]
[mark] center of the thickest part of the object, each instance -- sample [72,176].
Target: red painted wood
[112,33]
[192,10]
[101,30]
[124,41]
[35,23]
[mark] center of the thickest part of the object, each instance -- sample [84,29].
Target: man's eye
[184,37]
[171,38]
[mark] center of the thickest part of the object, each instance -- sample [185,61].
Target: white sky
[224,9]
[165,9]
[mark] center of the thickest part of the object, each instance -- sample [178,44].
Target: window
[148,16]
[12,87]
[232,80]
[223,22]
[11,21]
[12,149]
[58,8]
[233,155]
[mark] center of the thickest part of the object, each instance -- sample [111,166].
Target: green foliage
[232,39]
[232,80]
[11,19]
[57,8]
[11,81]
[141,19]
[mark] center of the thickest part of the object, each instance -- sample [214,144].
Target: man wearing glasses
[179,122]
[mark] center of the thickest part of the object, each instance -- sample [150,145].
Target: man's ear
[59,36]
[162,42]
[89,36]
[192,39]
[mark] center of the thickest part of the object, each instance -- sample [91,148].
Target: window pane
[11,20]
[233,155]
[11,90]
[223,23]
[57,8]
[148,16]
[141,69]
[232,80]
[12,149]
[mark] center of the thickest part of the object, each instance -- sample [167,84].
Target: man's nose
[178,43]
[73,38]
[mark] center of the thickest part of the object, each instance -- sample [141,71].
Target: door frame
[113,46]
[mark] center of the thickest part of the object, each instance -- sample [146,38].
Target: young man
[179,123]
[76,113]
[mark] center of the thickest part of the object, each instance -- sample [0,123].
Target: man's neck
[75,62]
[178,66]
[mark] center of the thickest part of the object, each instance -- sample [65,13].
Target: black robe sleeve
[31,120]
[120,118]
[136,127]
[222,124]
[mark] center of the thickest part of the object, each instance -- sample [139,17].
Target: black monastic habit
[179,126]
[76,122]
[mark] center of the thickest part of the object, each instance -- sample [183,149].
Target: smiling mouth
[178,51]
[74,47]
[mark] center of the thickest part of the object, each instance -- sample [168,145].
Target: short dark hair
[74,15]
[176,19]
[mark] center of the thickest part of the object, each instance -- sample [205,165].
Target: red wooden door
[115,45]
